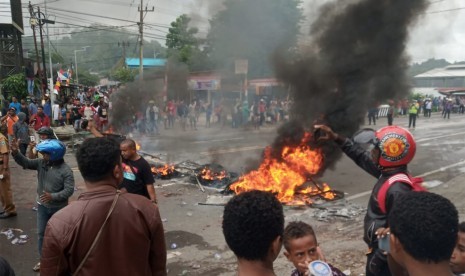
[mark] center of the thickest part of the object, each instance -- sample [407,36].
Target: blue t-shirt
[48,109]
[17,106]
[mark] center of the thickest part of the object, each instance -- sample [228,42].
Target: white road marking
[223,151]
[219,140]
[362,194]
[438,137]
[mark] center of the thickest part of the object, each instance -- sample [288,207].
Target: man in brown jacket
[105,232]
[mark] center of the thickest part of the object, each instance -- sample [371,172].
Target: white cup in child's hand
[319,268]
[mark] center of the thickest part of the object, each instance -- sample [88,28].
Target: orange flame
[207,174]
[163,171]
[286,177]
[137,146]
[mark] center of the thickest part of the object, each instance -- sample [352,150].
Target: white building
[445,80]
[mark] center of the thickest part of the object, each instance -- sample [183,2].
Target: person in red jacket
[39,119]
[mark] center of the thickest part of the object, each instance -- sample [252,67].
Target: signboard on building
[212,84]
[11,14]
[242,66]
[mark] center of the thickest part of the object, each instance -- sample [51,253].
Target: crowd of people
[189,114]
[415,108]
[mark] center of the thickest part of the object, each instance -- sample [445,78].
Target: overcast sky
[440,33]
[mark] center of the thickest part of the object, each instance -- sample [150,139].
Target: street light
[75,62]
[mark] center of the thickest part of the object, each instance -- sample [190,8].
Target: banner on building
[211,84]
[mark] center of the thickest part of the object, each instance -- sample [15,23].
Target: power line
[108,17]
[455,9]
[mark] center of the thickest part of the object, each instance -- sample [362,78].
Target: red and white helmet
[397,146]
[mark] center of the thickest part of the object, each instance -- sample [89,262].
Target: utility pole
[52,95]
[34,22]
[42,47]
[141,35]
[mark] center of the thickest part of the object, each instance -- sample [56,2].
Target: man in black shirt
[138,177]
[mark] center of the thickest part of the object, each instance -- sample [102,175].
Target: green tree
[124,75]
[87,79]
[15,85]
[254,30]
[181,41]
[57,58]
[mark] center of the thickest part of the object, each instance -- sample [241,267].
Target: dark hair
[296,230]
[462,227]
[251,221]
[129,142]
[426,224]
[41,107]
[97,158]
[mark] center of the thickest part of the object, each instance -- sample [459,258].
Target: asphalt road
[196,230]
[440,143]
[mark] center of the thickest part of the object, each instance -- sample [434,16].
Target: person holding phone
[384,154]
[55,183]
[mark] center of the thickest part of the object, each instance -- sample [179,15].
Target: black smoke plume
[357,56]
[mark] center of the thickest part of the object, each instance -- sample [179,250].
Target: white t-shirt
[56,112]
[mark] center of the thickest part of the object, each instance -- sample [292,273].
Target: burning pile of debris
[214,176]
[290,175]
[166,171]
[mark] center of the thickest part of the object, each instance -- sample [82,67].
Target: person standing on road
[21,132]
[208,115]
[10,119]
[412,115]
[6,195]
[192,116]
[55,182]
[171,110]
[390,113]
[392,149]
[428,107]
[121,233]
[182,113]
[448,108]
[372,112]
[151,114]
[137,174]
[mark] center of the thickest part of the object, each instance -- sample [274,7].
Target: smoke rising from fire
[356,57]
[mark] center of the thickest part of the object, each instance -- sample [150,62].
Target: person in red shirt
[39,119]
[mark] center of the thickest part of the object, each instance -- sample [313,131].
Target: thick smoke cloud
[357,57]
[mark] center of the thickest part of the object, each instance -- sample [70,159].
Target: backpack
[414,182]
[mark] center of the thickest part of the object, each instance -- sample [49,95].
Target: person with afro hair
[253,225]
[423,233]
[457,261]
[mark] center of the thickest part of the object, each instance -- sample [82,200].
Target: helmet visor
[366,138]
